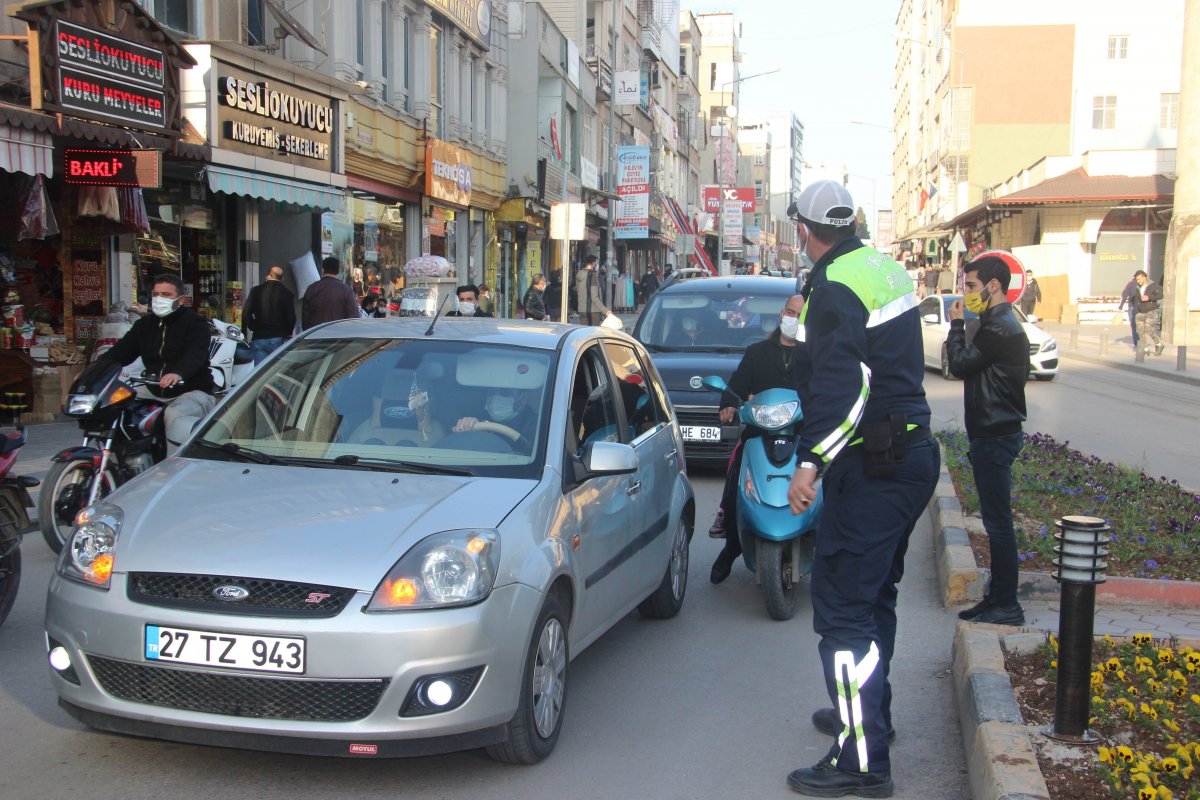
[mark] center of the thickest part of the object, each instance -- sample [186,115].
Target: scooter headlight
[235,333]
[81,404]
[774,416]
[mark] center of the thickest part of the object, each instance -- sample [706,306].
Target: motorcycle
[122,438]
[777,545]
[14,520]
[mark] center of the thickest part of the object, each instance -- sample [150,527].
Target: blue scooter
[777,545]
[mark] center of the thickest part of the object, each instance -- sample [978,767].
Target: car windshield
[410,405]
[722,321]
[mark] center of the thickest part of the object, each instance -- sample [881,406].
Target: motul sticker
[364,749]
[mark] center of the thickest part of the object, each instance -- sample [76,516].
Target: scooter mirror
[714,382]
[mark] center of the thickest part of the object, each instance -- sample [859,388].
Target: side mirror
[609,458]
[714,382]
[931,319]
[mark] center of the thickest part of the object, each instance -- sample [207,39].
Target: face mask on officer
[977,302]
[500,407]
[466,309]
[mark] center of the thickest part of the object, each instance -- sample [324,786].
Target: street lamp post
[730,112]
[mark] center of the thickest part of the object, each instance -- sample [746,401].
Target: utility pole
[1181,325]
[611,183]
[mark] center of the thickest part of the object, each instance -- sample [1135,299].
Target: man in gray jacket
[592,310]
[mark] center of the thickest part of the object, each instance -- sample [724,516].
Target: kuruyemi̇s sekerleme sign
[265,117]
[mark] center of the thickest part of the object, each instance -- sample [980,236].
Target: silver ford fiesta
[384,543]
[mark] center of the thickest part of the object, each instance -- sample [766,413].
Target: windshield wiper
[661,348]
[398,465]
[237,451]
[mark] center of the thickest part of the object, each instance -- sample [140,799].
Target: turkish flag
[924,199]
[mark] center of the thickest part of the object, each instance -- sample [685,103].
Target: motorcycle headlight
[452,568]
[1050,345]
[88,556]
[81,404]
[773,416]
[235,333]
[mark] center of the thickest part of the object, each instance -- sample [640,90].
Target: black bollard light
[1079,567]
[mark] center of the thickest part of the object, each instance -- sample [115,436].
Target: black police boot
[977,609]
[722,566]
[1003,615]
[823,779]
[827,721]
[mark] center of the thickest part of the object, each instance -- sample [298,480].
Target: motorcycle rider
[173,343]
[765,365]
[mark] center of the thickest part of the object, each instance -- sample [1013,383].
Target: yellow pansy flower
[1108,755]
[1171,725]
[1149,711]
[1164,793]
[1170,765]
[1125,754]
[1166,655]
[1112,665]
[1140,639]
[1147,793]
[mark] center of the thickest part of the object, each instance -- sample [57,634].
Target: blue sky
[836,64]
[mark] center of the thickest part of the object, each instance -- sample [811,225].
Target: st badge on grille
[231,593]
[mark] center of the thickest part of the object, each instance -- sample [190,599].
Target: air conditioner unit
[394,215]
[655,77]
[656,140]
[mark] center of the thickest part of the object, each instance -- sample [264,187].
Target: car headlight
[452,568]
[773,416]
[88,556]
[1050,345]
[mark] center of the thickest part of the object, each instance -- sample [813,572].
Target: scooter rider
[765,365]
[866,428]
[173,343]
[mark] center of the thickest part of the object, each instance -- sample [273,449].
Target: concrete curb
[1178,377]
[1001,762]
[961,581]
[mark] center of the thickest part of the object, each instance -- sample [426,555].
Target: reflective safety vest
[886,291]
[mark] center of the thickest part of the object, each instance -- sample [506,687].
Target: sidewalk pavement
[1112,346]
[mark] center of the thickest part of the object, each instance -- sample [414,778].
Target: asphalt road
[1138,420]
[712,704]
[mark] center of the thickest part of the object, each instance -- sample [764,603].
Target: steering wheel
[496,427]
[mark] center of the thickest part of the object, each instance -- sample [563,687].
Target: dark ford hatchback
[701,327]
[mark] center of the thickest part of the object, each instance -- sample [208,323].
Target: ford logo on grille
[695,382]
[231,593]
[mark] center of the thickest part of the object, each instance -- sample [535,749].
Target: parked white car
[935,327]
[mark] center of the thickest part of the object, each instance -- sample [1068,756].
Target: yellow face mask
[977,302]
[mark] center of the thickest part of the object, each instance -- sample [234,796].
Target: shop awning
[1077,186]
[273,187]
[31,152]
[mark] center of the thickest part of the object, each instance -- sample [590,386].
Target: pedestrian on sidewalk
[1149,315]
[860,377]
[1129,299]
[329,298]
[534,304]
[270,314]
[1032,294]
[994,366]
[592,309]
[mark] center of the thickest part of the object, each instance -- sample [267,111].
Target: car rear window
[683,321]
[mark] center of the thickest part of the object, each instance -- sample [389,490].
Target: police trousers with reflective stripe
[860,547]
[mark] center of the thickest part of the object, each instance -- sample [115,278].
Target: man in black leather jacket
[995,367]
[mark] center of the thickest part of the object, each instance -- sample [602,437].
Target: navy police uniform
[866,424]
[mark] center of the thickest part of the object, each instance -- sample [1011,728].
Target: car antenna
[429,330]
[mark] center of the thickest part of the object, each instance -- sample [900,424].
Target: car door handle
[633,488]
[671,455]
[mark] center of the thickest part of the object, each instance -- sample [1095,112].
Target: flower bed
[1145,706]
[1155,523]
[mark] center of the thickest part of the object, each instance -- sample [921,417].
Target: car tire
[946,373]
[10,579]
[779,589]
[56,512]
[533,731]
[667,599]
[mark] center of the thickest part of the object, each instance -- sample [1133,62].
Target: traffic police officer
[866,433]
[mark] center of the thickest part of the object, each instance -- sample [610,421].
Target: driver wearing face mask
[508,407]
[172,342]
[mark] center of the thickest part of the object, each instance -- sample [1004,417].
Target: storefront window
[184,241]
[442,242]
[379,255]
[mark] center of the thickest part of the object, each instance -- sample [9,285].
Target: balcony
[601,67]
[652,40]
